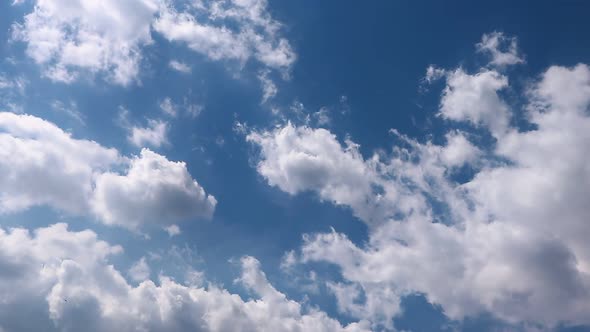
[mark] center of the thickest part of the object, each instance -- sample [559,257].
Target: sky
[265,165]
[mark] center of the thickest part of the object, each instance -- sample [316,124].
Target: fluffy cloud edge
[66,278]
[77,176]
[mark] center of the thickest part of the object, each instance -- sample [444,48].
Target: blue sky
[294,166]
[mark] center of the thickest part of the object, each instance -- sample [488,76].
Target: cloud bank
[54,279]
[511,240]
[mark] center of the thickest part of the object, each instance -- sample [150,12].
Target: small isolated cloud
[433,74]
[502,50]
[180,66]
[168,107]
[155,134]
[172,230]
[220,141]
[322,117]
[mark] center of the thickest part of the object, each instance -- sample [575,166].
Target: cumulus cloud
[68,38]
[298,159]
[510,241]
[502,50]
[474,98]
[64,281]
[154,190]
[73,39]
[232,30]
[43,165]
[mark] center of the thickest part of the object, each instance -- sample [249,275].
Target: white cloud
[564,89]
[74,39]
[43,165]
[322,117]
[187,108]
[68,38]
[503,50]
[547,182]
[59,280]
[511,241]
[172,230]
[433,74]
[269,88]
[140,270]
[298,159]
[155,134]
[288,261]
[154,190]
[459,150]
[168,107]
[234,30]
[474,98]
[180,66]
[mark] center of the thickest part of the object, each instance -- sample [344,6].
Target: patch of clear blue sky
[374,53]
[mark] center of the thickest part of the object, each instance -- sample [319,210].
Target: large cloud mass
[511,241]
[59,280]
